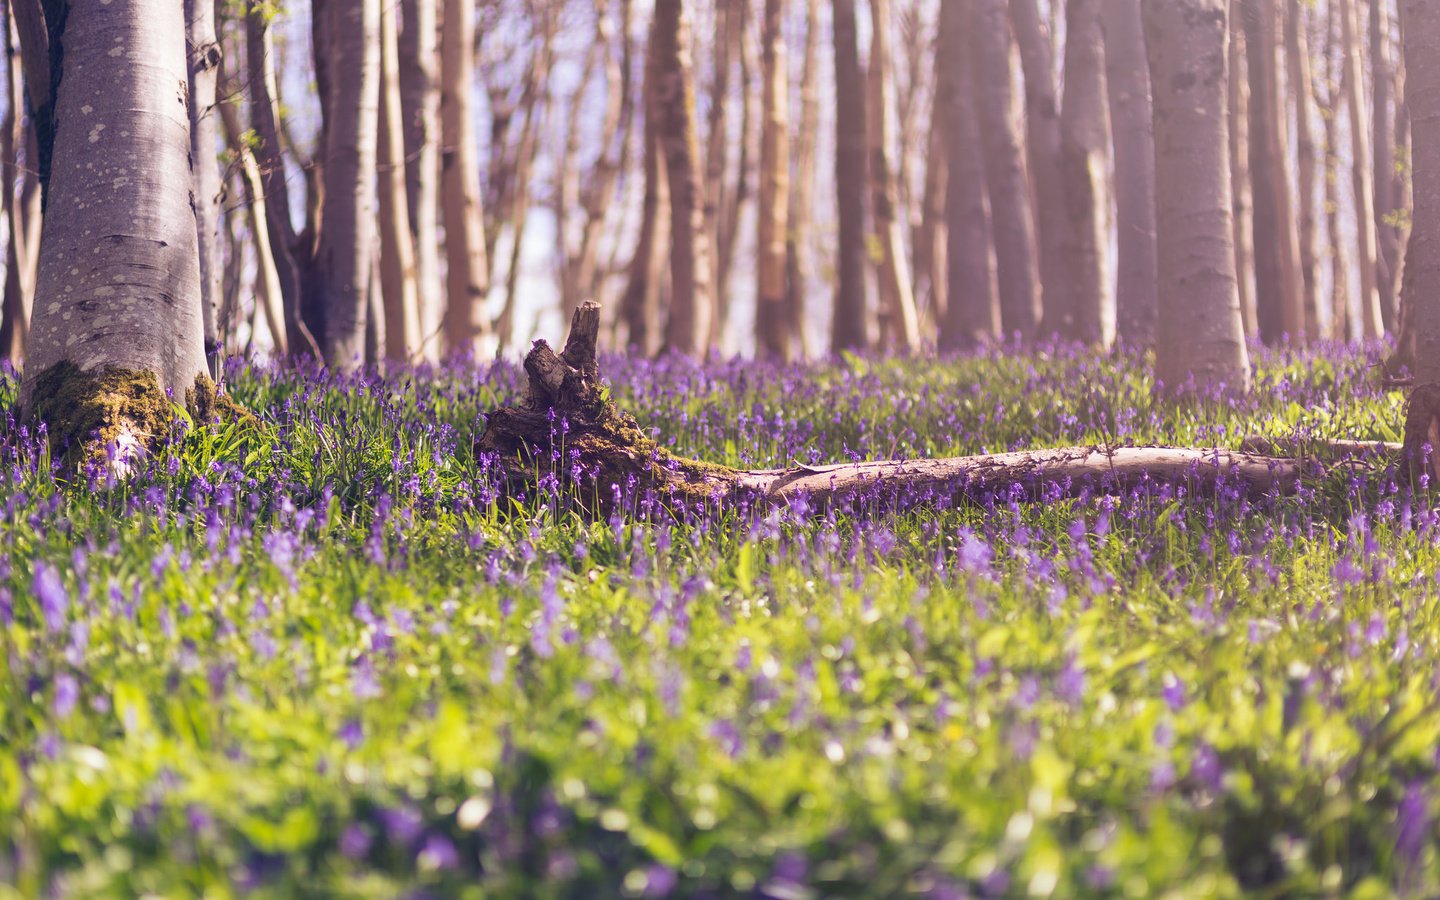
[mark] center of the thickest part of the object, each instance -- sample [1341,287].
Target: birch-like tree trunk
[772,319]
[203,63]
[119,279]
[1042,121]
[1301,93]
[1128,83]
[992,50]
[467,268]
[1242,195]
[1278,289]
[692,304]
[345,251]
[899,326]
[420,102]
[849,328]
[972,311]
[399,290]
[1201,345]
[1421,282]
[1372,314]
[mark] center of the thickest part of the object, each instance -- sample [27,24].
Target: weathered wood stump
[568,426]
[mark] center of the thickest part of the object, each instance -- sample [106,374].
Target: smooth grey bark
[1201,344]
[971,310]
[1012,217]
[1128,84]
[1421,284]
[849,328]
[345,251]
[467,266]
[119,278]
[420,101]
[203,52]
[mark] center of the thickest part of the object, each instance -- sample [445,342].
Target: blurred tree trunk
[1387,232]
[799,253]
[725,47]
[1128,82]
[1242,193]
[850,328]
[972,310]
[727,228]
[19,280]
[420,104]
[692,302]
[1371,313]
[1420,288]
[1278,290]
[899,326]
[203,62]
[1012,216]
[1343,312]
[1042,119]
[773,320]
[467,280]
[127,301]
[1201,343]
[398,286]
[928,236]
[1085,165]
[1297,59]
[344,254]
[640,304]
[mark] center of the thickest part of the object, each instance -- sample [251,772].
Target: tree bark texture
[1201,344]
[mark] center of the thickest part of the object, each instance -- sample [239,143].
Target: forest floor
[332,657]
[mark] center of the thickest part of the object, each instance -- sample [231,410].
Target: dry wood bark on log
[568,425]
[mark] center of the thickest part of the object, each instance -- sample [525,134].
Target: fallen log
[568,426]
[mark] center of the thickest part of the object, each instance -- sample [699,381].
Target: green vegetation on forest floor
[328,659]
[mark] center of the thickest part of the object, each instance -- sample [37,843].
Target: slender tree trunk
[899,326]
[344,254]
[1421,283]
[1085,164]
[398,286]
[1042,118]
[203,63]
[1342,311]
[738,199]
[640,304]
[1387,233]
[850,329]
[1242,193]
[691,301]
[119,280]
[267,278]
[1128,82]
[420,102]
[1201,344]
[725,47]
[467,266]
[15,307]
[799,252]
[992,49]
[1297,58]
[772,319]
[1278,289]
[1372,314]
[928,236]
[972,308]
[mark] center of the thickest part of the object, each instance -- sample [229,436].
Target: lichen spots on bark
[112,416]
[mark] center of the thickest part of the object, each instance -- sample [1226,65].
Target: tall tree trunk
[1128,82]
[1421,282]
[1372,315]
[992,50]
[1343,313]
[1201,344]
[691,300]
[972,310]
[899,326]
[1242,193]
[270,295]
[467,266]
[1042,119]
[725,47]
[799,252]
[119,280]
[1297,59]
[1387,232]
[15,307]
[850,328]
[928,236]
[1278,290]
[399,289]
[345,252]
[639,307]
[772,319]
[1085,164]
[738,198]
[203,64]
[420,102]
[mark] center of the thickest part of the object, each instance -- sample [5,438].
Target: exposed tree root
[568,427]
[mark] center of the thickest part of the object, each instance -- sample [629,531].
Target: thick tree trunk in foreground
[467,267]
[1201,339]
[119,280]
[1421,284]
[617,456]
[849,328]
[1127,79]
